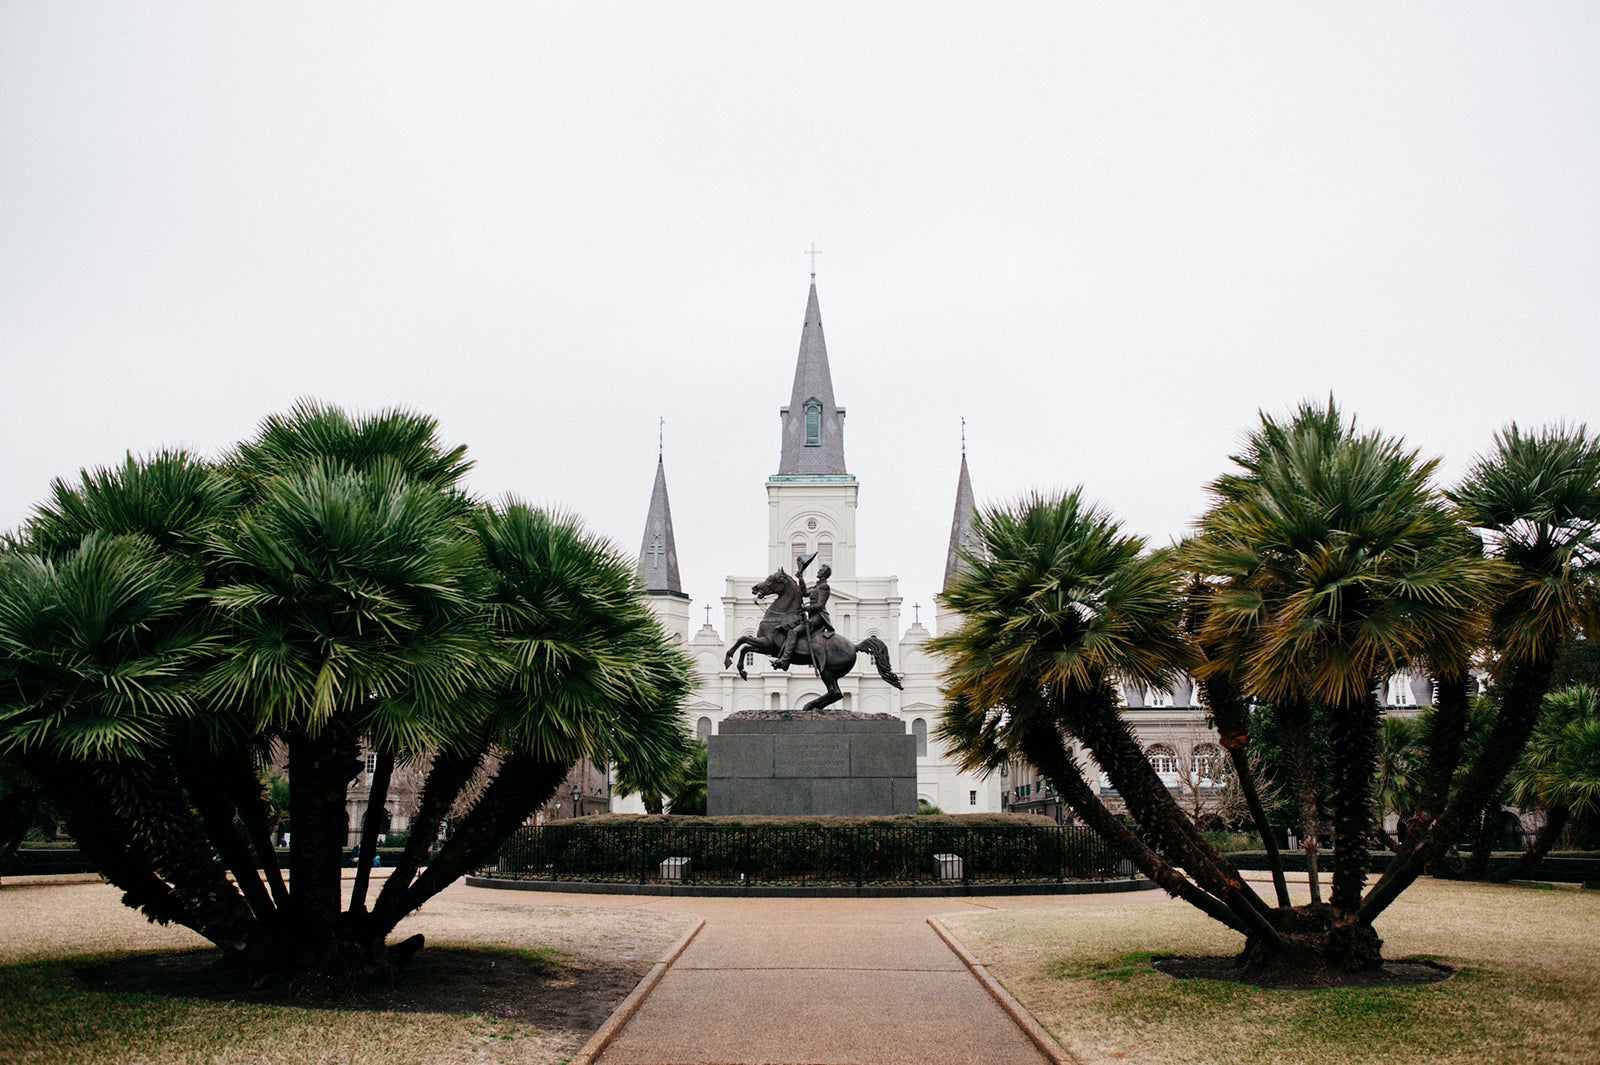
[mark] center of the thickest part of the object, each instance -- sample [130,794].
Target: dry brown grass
[1528,990]
[50,930]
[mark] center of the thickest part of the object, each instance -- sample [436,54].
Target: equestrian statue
[796,628]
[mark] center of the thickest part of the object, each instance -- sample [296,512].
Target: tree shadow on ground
[511,985]
[1404,973]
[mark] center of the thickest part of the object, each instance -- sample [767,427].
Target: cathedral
[811,508]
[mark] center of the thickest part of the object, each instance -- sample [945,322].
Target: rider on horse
[813,617]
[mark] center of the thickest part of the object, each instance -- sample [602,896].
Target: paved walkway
[861,981]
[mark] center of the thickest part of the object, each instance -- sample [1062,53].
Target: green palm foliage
[348,594]
[1537,498]
[98,647]
[1336,561]
[1561,766]
[1398,788]
[174,498]
[1060,599]
[314,433]
[576,644]
[1559,772]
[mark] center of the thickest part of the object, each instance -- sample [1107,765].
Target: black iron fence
[795,851]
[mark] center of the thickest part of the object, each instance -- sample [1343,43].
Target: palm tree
[1337,563]
[1057,604]
[165,622]
[1397,788]
[1536,501]
[1559,771]
[351,606]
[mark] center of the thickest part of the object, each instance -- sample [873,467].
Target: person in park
[813,618]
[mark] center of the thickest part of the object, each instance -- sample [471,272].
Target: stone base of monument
[811,762]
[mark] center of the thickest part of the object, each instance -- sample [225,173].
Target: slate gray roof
[813,384]
[658,557]
[961,532]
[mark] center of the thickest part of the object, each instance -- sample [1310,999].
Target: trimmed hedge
[808,850]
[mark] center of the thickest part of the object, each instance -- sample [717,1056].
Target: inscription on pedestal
[813,756]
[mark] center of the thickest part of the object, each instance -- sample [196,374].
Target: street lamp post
[577,797]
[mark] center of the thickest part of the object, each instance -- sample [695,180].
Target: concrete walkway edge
[1015,1010]
[630,1005]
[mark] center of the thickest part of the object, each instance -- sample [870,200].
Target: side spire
[658,556]
[961,525]
[813,425]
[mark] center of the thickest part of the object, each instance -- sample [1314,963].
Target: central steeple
[811,500]
[813,425]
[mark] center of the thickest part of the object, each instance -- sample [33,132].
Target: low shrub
[995,848]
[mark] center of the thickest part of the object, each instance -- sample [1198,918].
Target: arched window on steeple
[813,423]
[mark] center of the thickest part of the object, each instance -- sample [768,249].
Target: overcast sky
[1106,235]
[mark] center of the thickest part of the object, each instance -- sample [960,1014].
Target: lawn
[1527,989]
[506,978]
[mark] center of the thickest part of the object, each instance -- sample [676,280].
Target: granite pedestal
[811,762]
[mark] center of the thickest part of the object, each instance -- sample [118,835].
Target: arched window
[919,729]
[1162,757]
[813,423]
[1209,769]
[702,728]
[796,551]
[825,551]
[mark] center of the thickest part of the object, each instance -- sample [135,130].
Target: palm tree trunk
[448,776]
[134,816]
[1521,696]
[1043,748]
[1233,728]
[371,825]
[1354,735]
[244,790]
[1108,738]
[521,785]
[1294,730]
[320,768]
[1555,819]
[217,814]
[1446,733]
[102,838]
[1485,833]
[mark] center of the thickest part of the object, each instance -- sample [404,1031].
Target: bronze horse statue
[838,654]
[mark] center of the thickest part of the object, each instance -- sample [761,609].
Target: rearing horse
[839,654]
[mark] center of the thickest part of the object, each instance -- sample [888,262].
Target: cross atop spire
[813,252]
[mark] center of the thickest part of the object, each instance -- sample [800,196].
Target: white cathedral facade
[811,507]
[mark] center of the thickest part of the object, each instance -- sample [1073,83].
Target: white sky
[1105,234]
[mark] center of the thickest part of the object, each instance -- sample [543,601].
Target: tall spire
[813,425]
[961,525]
[658,557]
